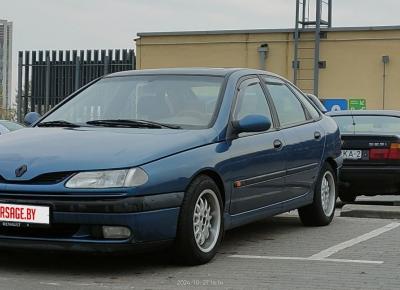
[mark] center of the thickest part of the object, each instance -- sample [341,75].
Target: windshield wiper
[169,126]
[126,123]
[58,123]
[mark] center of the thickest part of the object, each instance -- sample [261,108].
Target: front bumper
[76,224]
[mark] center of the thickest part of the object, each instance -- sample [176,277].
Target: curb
[370,211]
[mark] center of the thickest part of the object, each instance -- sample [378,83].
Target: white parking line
[305,259]
[323,255]
[50,283]
[333,250]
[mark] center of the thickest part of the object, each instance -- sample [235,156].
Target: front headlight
[108,179]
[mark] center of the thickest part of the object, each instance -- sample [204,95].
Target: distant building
[358,64]
[5,63]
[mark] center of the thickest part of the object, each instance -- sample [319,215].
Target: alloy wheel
[207,220]
[328,193]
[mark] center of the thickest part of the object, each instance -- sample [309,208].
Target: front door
[257,160]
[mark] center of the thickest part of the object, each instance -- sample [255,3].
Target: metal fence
[46,77]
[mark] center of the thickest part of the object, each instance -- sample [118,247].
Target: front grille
[47,178]
[54,231]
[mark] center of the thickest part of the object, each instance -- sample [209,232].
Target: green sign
[357,104]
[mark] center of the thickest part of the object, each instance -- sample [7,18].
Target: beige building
[354,57]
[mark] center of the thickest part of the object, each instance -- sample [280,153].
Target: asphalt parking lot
[278,253]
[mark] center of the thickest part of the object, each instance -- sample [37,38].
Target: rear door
[303,135]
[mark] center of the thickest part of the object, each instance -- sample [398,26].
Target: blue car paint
[304,154]
[172,159]
[63,150]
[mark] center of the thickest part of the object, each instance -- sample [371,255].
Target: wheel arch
[332,163]
[217,179]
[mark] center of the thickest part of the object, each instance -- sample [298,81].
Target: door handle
[278,144]
[317,135]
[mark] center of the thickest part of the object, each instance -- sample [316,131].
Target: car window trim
[270,102]
[240,82]
[219,102]
[296,90]
[283,83]
[245,84]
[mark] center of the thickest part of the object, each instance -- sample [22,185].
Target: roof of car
[188,71]
[365,112]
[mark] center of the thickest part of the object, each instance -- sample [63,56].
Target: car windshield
[368,124]
[11,126]
[181,101]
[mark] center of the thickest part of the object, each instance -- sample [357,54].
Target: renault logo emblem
[21,171]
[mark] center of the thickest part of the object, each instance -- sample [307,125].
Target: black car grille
[47,178]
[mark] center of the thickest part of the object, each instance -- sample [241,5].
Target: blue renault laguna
[169,156]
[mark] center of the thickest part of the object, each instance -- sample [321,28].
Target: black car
[371,152]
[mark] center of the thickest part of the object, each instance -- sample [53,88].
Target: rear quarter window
[288,107]
[306,102]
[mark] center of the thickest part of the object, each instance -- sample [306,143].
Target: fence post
[106,63]
[47,92]
[19,103]
[133,59]
[77,73]
[26,83]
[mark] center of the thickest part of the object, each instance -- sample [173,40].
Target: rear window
[368,124]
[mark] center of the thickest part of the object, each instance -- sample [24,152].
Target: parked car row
[175,157]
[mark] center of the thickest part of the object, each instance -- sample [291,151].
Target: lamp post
[385,60]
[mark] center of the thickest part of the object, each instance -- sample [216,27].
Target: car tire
[347,197]
[322,210]
[200,225]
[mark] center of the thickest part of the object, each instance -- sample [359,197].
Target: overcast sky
[85,24]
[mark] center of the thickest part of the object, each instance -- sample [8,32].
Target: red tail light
[392,153]
[378,154]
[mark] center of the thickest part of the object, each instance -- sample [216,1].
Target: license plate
[16,214]
[352,154]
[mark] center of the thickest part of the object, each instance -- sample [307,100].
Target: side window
[310,107]
[289,109]
[251,100]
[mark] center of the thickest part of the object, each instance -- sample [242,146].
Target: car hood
[45,150]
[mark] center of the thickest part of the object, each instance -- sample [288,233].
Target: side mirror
[252,123]
[31,118]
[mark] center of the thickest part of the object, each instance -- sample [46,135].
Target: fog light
[110,232]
